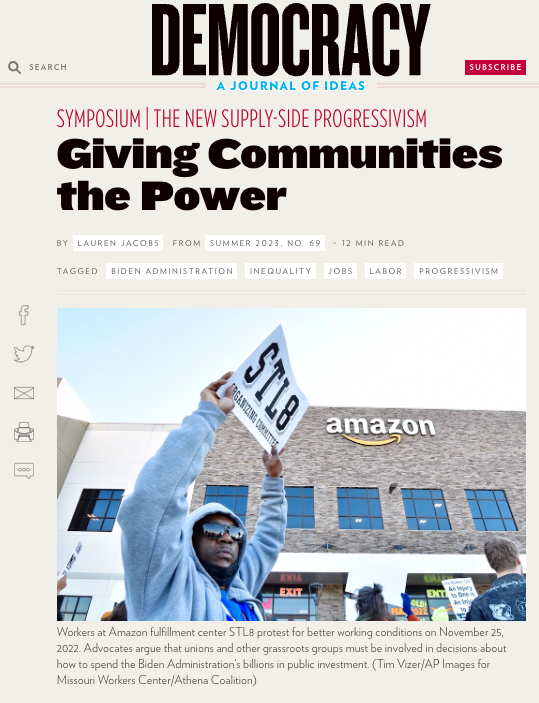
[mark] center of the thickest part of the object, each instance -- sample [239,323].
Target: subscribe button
[499,67]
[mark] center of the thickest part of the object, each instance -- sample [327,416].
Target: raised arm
[268,539]
[153,515]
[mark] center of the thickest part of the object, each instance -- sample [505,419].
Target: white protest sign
[71,561]
[268,400]
[461,593]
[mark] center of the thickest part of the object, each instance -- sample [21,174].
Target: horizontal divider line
[457,85]
[102,85]
[361,291]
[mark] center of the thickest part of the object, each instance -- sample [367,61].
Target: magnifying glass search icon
[14,67]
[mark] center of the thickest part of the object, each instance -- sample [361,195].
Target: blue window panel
[406,493]
[412,523]
[211,491]
[342,492]
[373,492]
[114,507]
[376,523]
[480,525]
[117,495]
[308,506]
[308,492]
[105,494]
[357,492]
[228,501]
[344,523]
[427,524]
[69,603]
[485,495]
[292,491]
[294,522]
[78,617]
[494,525]
[444,524]
[375,508]
[439,507]
[343,506]
[107,525]
[365,523]
[504,509]
[420,493]
[294,506]
[94,525]
[359,506]
[100,508]
[243,490]
[500,495]
[437,494]
[489,508]
[474,507]
[83,605]
[510,525]
[424,508]
[470,494]
[308,522]
[409,508]
[241,505]
[227,490]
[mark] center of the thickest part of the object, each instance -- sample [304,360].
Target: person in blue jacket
[198,566]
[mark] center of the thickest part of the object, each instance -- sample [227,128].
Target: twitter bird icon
[22,355]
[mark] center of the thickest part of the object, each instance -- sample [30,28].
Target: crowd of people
[201,566]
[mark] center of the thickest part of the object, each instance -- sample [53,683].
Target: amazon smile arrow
[392,438]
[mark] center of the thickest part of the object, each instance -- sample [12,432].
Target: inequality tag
[268,400]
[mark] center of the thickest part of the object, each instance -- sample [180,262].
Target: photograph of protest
[291,464]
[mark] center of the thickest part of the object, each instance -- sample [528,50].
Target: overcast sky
[149,365]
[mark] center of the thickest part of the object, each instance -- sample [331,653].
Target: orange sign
[290,591]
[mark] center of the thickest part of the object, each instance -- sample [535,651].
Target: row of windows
[358,508]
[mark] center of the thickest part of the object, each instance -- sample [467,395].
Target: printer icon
[24,433]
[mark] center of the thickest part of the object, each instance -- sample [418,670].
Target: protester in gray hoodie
[198,566]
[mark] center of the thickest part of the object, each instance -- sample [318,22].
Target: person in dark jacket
[506,598]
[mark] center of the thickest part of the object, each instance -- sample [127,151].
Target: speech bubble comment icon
[24,470]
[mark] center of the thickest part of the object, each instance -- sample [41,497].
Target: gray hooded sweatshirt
[164,579]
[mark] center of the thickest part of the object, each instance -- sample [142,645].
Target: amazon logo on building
[393,428]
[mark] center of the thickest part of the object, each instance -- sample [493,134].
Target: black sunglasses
[214,530]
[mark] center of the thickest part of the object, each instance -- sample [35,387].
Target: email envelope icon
[24,393]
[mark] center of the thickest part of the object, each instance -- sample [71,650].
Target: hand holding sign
[71,561]
[268,400]
[210,394]
[273,462]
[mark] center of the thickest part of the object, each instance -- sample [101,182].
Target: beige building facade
[443,468]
